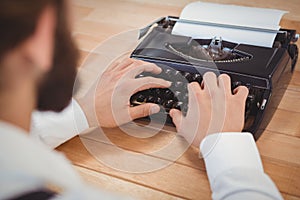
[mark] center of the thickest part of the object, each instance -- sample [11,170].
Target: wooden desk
[279,146]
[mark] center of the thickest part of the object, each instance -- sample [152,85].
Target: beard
[56,89]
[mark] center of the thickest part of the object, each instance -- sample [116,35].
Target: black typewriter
[265,71]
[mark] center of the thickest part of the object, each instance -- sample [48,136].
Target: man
[37,71]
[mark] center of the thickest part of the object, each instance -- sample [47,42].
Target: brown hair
[18,19]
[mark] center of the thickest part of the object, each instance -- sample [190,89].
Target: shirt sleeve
[234,168]
[53,129]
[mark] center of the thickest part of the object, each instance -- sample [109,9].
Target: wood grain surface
[97,20]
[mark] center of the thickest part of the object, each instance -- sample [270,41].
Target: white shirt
[233,164]
[53,129]
[234,168]
[28,166]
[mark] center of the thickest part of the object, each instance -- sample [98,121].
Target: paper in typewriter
[230,15]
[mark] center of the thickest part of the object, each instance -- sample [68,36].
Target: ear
[39,47]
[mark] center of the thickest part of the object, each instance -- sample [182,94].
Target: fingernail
[154,109]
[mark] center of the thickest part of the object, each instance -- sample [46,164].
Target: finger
[210,81]
[125,63]
[241,92]
[150,82]
[195,93]
[177,117]
[143,110]
[135,70]
[225,83]
[113,66]
[194,87]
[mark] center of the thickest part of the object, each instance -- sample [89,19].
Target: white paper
[230,15]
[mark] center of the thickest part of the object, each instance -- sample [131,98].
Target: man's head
[36,44]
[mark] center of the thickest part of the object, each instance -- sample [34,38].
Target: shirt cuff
[53,129]
[225,151]
[80,119]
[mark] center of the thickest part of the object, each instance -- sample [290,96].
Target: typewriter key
[178,105]
[168,72]
[197,77]
[169,104]
[177,84]
[140,76]
[158,91]
[158,101]
[177,75]
[235,84]
[141,98]
[251,97]
[168,94]
[151,99]
[188,76]
[177,94]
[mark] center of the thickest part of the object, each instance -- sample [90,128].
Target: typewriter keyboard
[177,95]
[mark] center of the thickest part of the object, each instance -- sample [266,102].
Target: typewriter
[266,72]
